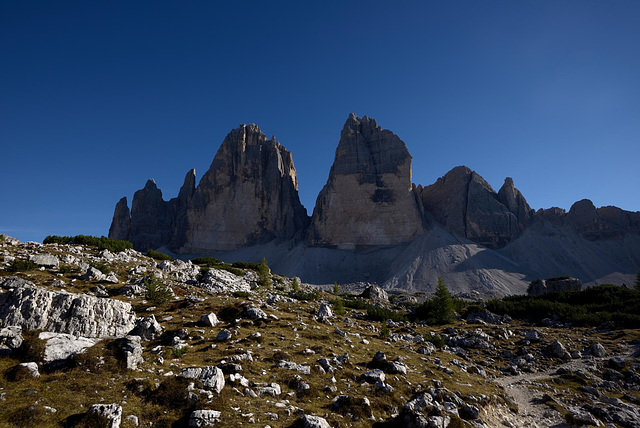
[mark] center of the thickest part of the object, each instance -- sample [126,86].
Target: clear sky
[96,97]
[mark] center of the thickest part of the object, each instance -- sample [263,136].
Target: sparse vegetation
[157,255]
[206,263]
[592,306]
[101,267]
[102,243]
[156,292]
[19,265]
[295,286]
[637,284]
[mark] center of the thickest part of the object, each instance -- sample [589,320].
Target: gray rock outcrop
[61,346]
[369,198]
[36,308]
[108,415]
[211,377]
[554,285]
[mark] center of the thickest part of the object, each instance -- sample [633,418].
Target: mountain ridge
[372,223]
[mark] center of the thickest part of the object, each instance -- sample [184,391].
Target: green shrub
[246,265]
[295,285]
[178,352]
[233,270]
[32,348]
[306,296]
[377,313]
[102,243]
[435,339]
[157,255]
[207,261]
[156,292]
[66,269]
[22,265]
[241,294]
[385,333]
[338,307]
[591,306]
[101,267]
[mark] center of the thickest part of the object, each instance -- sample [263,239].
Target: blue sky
[97,97]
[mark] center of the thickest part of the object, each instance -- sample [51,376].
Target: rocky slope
[371,223]
[224,351]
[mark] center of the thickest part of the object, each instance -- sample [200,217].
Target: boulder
[61,346]
[36,308]
[204,418]
[9,282]
[597,350]
[107,415]
[147,328]
[324,313]
[208,320]
[10,339]
[368,200]
[46,260]
[131,351]
[309,421]
[29,370]
[93,274]
[375,293]
[557,349]
[373,376]
[211,377]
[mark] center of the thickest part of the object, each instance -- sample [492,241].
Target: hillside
[223,347]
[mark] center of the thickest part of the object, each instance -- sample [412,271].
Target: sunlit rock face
[248,196]
[369,198]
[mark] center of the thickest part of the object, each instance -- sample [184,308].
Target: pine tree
[264,274]
[443,302]
[336,288]
[295,285]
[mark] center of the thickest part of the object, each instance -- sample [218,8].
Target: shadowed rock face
[465,204]
[151,218]
[248,196]
[368,199]
[121,223]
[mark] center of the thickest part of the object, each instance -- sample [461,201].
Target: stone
[375,293]
[306,370]
[579,416]
[223,335]
[109,415]
[597,350]
[248,196]
[10,339]
[30,369]
[368,200]
[204,418]
[61,346]
[557,349]
[131,350]
[554,285]
[488,317]
[211,377]
[309,421]
[254,313]
[469,412]
[147,328]
[46,260]
[373,376]
[324,313]
[93,274]
[208,320]
[533,335]
[36,308]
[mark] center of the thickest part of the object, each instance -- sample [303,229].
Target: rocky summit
[372,224]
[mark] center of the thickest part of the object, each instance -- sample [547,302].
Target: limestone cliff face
[465,204]
[152,219]
[121,223]
[368,199]
[248,196]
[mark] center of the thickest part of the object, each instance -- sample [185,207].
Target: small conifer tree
[336,288]
[295,285]
[444,308]
[264,274]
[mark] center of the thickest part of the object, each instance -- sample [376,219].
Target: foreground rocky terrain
[90,337]
[372,223]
